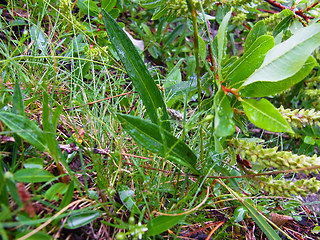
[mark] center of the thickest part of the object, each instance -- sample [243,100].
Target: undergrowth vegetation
[159,119]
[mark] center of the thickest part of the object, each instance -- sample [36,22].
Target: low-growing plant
[192,145]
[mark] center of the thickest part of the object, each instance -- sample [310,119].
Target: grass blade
[262,223]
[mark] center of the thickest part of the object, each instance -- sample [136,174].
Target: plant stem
[196,55]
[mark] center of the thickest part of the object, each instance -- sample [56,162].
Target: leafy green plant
[124,143]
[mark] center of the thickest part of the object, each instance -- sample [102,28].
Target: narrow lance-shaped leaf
[137,71]
[288,57]
[221,38]
[262,223]
[160,12]
[283,25]
[18,106]
[264,115]
[149,4]
[25,128]
[158,140]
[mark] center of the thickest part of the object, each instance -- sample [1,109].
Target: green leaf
[283,25]
[108,5]
[48,129]
[262,223]
[288,57]
[175,33]
[162,223]
[202,48]
[149,4]
[36,236]
[223,123]
[18,106]
[258,30]
[25,128]
[88,7]
[126,196]
[32,175]
[222,39]
[39,38]
[264,115]
[12,187]
[264,89]
[137,71]
[56,190]
[33,163]
[160,12]
[240,213]
[158,140]
[68,196]
[249,62]
[309,140]
[80,219]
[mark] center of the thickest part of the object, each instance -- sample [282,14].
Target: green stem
[196,55]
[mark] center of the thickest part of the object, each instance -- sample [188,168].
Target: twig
[298,12]
[309,7]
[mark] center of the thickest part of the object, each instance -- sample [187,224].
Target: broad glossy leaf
[223,123]
[249,62]
[258,30]
[149,4]
[32,175]
[162,223]
[264,115]
[25,128]
[158,140]
[262,223]
[126,195]
[137,71]
[264,89]
[288,57]
[80,219]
